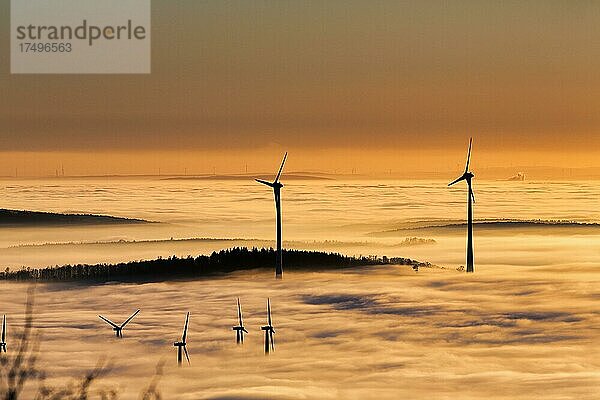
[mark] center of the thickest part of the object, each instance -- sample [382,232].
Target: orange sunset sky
[369,85]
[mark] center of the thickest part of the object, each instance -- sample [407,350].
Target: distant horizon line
[496,173]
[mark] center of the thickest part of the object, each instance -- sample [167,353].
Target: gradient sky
[337,83]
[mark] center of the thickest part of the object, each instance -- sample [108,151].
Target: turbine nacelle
[467,176]
[274,185]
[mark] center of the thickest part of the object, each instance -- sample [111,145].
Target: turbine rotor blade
[280,168]
[272,340]
[269,312]
[186,354]
[469,155]
[187,318]
[472,194]
[129,319]
[244,329]
[264,182]
[239,312]
[108,321]
[3,329]
[462,178]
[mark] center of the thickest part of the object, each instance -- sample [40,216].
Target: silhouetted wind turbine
[239,330]
[181,345]
[468,176]
[3,338]
[119,328]
[269,330]
[276,185]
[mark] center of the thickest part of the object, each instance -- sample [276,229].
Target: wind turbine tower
[276,185]
[468,176]
[239,330]
[269,331]
[181,345]
[3,338]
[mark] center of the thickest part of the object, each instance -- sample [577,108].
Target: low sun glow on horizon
[397,86]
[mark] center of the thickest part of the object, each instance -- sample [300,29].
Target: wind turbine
[3,338]
[468,176]
[119,328]
[239,334]
[181,345]
[276,185]
[269,330]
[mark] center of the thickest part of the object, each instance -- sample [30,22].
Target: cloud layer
[388,333]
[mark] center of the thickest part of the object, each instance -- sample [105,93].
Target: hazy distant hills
[24,218]
[243,177]
[499,226]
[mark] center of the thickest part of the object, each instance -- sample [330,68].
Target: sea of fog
[378,333]
[526,325]
[345,216]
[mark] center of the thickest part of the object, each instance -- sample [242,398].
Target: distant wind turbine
[269,331]
[181,345]
[3,338]
[239,330]
[119,328]
[276,185]
[468,176]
